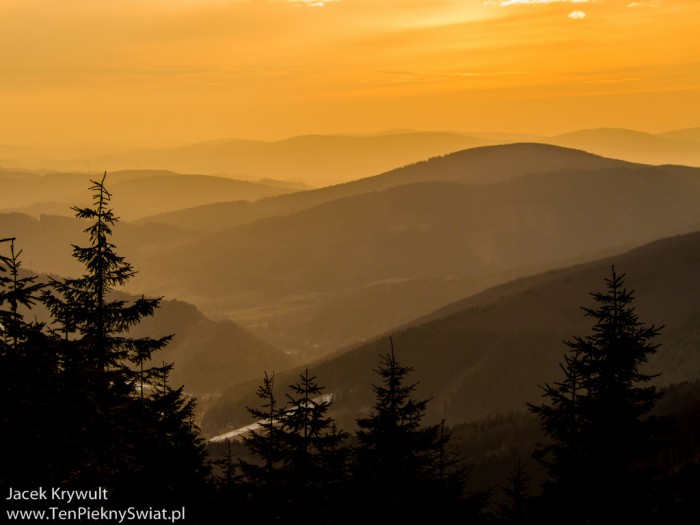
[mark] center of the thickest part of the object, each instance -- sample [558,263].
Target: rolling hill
[313,271]
[318,160]
[692,134]
[669,148]
[209,355]
[321,160]
[487,354]
[481,165]
[297,279]
[136,193]
[46,241]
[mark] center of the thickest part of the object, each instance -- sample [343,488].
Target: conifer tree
[597,418]
[15,292]
[261,479]
[301,453]
[229,493]
[84,312]
[265,443]
[401,467]
[123,427]
[174,464]
[313,465]
[229,470]
[28,379]
[517,508]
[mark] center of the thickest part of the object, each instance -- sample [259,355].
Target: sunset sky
[160,72]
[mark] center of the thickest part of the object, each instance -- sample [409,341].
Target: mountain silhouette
[473,166]
[307,265]
[136,193]
[488,353]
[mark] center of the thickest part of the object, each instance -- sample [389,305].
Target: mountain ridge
[487,354]
[451,167]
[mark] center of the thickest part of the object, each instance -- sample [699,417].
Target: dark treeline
[83,406]
[299,466]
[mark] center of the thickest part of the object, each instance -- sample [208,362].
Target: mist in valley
[473,265]
[298,261]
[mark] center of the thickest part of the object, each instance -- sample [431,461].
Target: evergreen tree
[314,460]
[301,453]
[227,481]
[265,443]
[173,461]
[401,468]
[29,382]
[15,292]
[122,427]
[85,313]
[597,419]
[261,479]
[517,508]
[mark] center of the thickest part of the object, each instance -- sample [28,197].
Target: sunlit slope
[349,268]
[490,352]
[473,166]
[435,230]
[324,268]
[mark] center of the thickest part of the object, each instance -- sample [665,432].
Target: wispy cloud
[577,15]
[602,81]
[415,77]
[522,2]
[647,3]
[307,3]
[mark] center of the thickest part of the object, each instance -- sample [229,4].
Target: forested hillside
[488,353]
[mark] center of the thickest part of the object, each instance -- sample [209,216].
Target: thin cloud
[524,2]
[649,3]
[603,81]
[416,77]
[577,15]
[308,3]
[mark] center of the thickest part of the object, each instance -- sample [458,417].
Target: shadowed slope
[488,353]
[473,166]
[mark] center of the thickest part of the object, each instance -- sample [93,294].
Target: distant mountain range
[481,165]
[331,272]
[315,270]
[322,160]
[679,147]
[487,354]
[135,193]
[323,270]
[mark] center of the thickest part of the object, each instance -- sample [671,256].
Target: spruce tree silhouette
[401,468]
[303,457]
[597,418]
[123,427]
[15,292]
[517,507]
[314,461]
[260,479]
[29,382]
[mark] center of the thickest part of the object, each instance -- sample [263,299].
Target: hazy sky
[172,71]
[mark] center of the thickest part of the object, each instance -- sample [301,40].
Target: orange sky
[156,72]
